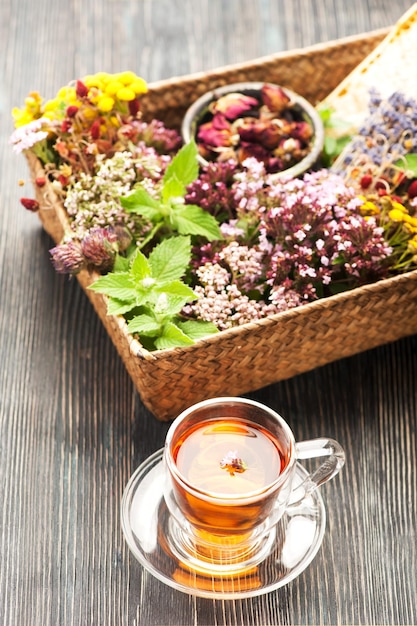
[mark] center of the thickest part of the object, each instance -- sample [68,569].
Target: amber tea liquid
[229,463]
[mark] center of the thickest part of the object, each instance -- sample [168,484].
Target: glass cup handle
[332,464]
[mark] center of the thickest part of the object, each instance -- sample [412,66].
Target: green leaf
[144,324]
[190,219]
[166,305]
[197,329]
[119,307]
[408,163]
[117,285]
[169,259]
[177,288]
[140,267]
[172,337]
[173,188]
[121,264]
[140,201]
[184,166]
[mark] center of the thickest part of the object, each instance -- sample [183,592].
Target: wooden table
[73,429]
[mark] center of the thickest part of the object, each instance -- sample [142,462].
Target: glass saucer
[148,528]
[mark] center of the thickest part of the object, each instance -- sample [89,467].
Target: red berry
[72,110]
[412,190]
[366,181]
[30,204]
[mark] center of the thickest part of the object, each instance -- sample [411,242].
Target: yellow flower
[33,102]
[113,87]
[126,78]
[94,81]
[396,215]
[370,208]
[21,117]
[125,94]
[398,206]
[139,86]
[412,244]
[105,103]
[89,114]
[411,223]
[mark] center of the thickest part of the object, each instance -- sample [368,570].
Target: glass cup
[229,469]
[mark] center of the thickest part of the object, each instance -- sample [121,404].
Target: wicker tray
[243,359]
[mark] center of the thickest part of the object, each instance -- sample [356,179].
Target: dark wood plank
[72,428]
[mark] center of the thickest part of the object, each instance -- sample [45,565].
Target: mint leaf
[169,259]
[167,305]
[197,329]
[184,166]
[172,337]
[117,285]
[121,264]
[140,268]
[144,324]
[173,188]
[140,201]
[190,219]
[177,288]
[119,307]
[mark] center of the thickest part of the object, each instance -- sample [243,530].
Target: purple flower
[67,258]
[99,247]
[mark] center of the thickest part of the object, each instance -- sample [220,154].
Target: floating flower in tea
[233,463]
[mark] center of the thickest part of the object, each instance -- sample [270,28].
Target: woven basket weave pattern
[257,354]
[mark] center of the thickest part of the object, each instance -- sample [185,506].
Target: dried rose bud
[81,89]
[264,133]
[67,258]
[40,181]
[233,105]
[72,110]
[274,98]
[302,131]
[216,133]
[99,247]
[254,150]
[30,204]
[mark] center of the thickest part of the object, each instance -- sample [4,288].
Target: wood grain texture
[72,428]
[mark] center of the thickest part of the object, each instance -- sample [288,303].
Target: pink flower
[274,98]
[216,133]
[233,105]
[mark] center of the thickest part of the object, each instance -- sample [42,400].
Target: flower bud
[81,89]
[216,133]
[233,105]
[98,247]
[274,98]
[72,110]
[67,258]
